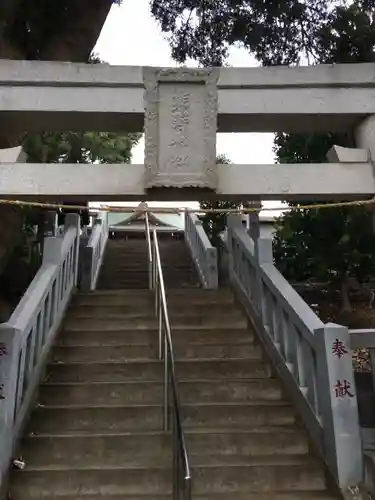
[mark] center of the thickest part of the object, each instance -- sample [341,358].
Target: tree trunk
[77,38]
[345,299]
[74,42]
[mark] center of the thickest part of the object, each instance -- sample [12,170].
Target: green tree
[77,147]
[91,147]
[64,30]
[275,32]
[332,245]
[215,223]
[85,147]
[325,244]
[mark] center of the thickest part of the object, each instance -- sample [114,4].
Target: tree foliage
[330,245]
[73,147]
[77,147]
[275,32]
[326,244]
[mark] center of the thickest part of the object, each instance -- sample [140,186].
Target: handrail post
[166,395]
[9,352]
[149,253]
[203,253]
[187,488]
[338,405]
[73,220]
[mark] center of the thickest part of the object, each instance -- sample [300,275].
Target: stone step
[311,495]
[153,370]
[112,286]
[108,393]
[126,297]
[142,263]
[125,352]
[275,495]
[129,286]
[142,266]
[269,474]
[249,415]
[142,270]
[125,261]
[111,262]
[135,449]
[95,419]
[104,372]
[125,280]
[49,484]
[120,274]
[136,310]
[224,321]
[168,251]
[149,337]
[265,474]
[117,419]
[116,283]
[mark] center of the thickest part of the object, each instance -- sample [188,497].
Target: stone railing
[25,340]
[312,358]
[203,253]
[91,254]
[365,378]
[365,339]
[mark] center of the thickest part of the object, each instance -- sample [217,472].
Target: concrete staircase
[96,433]
[125,265]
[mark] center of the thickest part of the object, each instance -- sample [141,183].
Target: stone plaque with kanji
[180,127]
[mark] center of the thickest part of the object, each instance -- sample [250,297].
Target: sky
[132,37]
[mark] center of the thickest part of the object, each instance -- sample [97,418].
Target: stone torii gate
[181,110]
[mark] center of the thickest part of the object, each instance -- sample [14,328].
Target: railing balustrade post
[204,255]
[187,488]
[86,266]
[337,403]
[212,268]
[50,223]
[175,462]
[264,255]
[9,352]
[166,388]
[73,220]
[161,337]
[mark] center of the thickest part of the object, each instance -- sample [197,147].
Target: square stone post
[10,392]
[180,127]
[337,403]
[74,220]
[50,223]
[263,254]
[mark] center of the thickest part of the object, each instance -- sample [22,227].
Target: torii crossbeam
[181,110]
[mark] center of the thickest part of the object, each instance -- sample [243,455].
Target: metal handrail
[149,250]
[181,467]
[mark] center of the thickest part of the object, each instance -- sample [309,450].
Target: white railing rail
[363,338]
[25,340]
[203,253]
[312,358]
[92,254]
[149,253]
